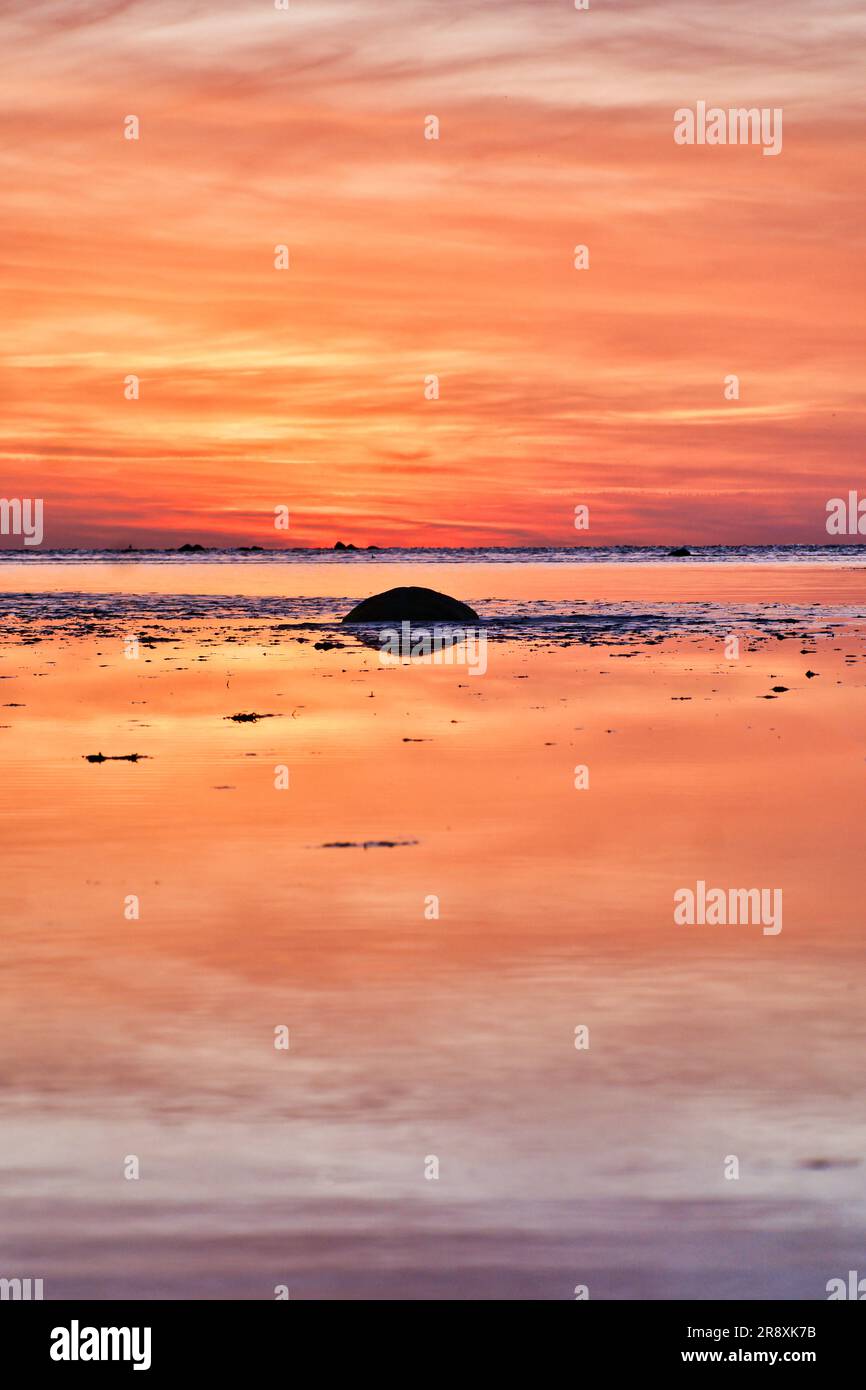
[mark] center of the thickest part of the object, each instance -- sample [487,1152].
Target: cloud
[411,257]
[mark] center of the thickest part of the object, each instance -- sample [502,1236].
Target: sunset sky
[411,257]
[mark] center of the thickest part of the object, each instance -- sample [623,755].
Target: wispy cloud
[412,257]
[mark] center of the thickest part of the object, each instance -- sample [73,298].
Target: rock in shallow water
[410,604]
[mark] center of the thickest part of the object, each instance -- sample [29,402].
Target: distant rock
[113,757]
[680,550]
[411,604]
[341,545]
[251,718]
[374,547]
[187,548]
[367,844]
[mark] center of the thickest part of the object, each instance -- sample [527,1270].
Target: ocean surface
[544,595]
[400,867]
[470,555]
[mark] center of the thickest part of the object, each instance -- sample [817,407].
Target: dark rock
[187,549]
[367,844]
[341,545]
[374,547]
[680,550]
[411,604]
[251,718]
[114,757]
[810,675]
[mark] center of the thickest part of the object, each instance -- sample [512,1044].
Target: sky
[411,258]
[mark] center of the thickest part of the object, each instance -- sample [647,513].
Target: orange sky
[410,257]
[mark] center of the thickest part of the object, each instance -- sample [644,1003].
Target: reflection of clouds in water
[453,1037]
[245,1154]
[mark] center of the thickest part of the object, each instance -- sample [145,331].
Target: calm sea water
[431,983]
[473,555]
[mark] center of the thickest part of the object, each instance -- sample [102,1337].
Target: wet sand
[413,1037]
